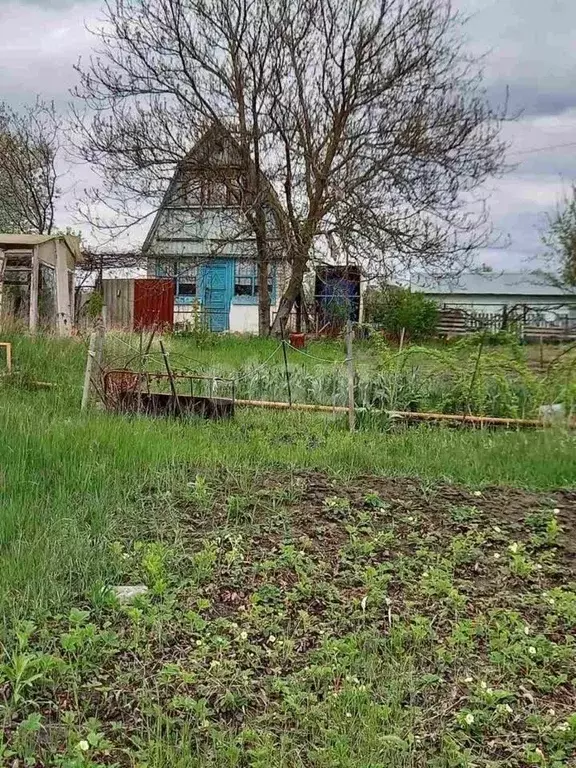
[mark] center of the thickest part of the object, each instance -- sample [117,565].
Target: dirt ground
[311,614]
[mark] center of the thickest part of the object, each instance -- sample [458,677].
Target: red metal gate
[153,303]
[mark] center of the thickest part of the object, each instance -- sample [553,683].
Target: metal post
[350,365]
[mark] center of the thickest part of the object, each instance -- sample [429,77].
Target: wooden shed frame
[60,253]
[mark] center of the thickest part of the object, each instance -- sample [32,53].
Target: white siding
[552,307]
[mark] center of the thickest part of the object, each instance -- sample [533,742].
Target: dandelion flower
[477,494]
[513,548]
[348,714]
[83,745]
[532,651]
[272,639]
[526,630]
[469,718]
[243,635]
[496,555]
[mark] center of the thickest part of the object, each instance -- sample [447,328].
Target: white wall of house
[244,317]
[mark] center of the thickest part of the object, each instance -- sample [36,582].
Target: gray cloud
[530,48]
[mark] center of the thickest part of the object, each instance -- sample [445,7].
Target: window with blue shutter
[246,282]
[185,276]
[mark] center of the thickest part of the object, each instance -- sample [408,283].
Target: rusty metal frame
[139,378]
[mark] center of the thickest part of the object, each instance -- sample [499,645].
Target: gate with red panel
[153,303]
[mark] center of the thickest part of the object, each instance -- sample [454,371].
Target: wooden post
[34,286]
[100,329]
[350,365]
[402,334]
[63,299]
[475,373]
[89,368]
[541,353]
[8,347]
[2,271]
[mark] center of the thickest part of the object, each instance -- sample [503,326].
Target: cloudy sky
[530,47]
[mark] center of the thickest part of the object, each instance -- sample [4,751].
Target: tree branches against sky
[528,48]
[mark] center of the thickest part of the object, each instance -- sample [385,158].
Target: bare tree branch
[30,141]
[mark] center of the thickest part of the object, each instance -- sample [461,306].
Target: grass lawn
[316,598]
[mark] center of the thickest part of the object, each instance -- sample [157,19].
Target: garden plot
[298,620]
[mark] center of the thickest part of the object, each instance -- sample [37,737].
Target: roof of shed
[29,241]
[494,283]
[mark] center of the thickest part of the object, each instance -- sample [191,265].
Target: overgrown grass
[67,477]
[72,485]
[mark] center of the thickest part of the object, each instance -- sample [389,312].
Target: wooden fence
[458,322]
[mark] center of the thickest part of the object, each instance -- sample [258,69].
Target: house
[201,239]
[529,296]
[37,280]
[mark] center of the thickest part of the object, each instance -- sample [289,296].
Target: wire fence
[258,381]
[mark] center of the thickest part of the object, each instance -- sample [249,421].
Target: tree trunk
[299,313]
[263,298]
[293,289]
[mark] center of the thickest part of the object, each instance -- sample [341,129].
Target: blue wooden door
[216,294]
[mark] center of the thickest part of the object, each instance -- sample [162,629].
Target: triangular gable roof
[213,134]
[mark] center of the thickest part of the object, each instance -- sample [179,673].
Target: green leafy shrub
[94,304]
[394,309]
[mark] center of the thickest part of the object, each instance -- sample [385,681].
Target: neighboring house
[202,240]
[529,295]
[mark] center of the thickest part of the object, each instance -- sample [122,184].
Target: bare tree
[560,242]
[30,141]
[361,124]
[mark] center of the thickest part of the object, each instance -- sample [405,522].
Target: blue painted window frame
[179,271]
[252,298]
